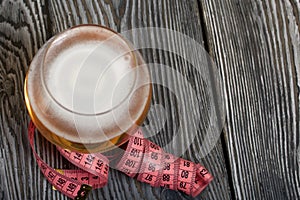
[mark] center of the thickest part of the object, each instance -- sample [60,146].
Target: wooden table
[256,47]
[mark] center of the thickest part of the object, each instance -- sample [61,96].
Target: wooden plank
[22,32]
[124,15]
[256,44]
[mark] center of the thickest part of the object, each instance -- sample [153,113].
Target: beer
[87,90]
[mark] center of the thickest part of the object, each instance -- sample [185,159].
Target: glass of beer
[87,89]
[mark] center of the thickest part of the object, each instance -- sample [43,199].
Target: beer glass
[87,89]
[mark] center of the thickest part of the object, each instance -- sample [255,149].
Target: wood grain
[256,47]
[256,44]
[22,32]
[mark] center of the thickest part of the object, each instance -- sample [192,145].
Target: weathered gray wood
[22,32]
[25,26]
[256,44]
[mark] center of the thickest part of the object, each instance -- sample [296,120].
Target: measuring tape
[75,184]
[142,159]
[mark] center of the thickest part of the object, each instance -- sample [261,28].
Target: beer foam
[90,77]
[90,71]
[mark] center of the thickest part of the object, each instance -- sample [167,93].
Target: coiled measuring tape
[142,159]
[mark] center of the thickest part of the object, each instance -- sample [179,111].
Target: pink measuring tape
[142,159]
